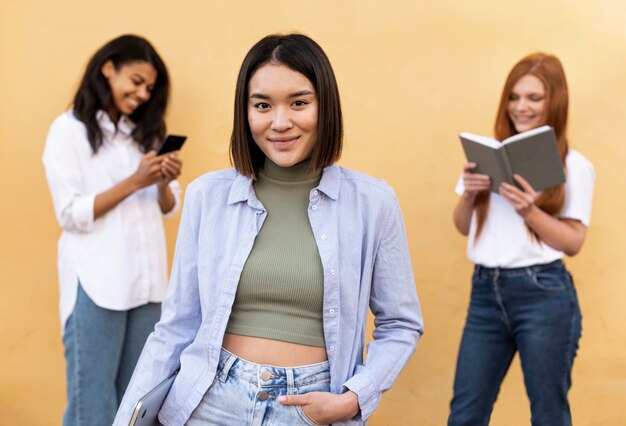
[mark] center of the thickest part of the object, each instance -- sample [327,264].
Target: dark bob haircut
[301,54]
[94,92]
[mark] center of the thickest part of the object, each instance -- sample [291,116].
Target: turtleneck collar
[296,173]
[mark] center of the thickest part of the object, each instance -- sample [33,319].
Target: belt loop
[227,366]
[291,383]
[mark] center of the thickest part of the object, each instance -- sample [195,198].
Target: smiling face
[130,85]
[527,103]
[282,114]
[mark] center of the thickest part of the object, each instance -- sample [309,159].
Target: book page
[526,134]
[484,140]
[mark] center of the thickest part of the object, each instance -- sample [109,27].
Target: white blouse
[505,241]
[119,259]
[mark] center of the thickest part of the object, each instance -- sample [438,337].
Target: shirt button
[332,312]
[332,349]
[324,237]
[314,208]
[333,272]
[315,192]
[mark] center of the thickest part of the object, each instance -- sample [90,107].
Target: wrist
[134,183]
[529,212]
[469,196]
[350,402]
[163,185]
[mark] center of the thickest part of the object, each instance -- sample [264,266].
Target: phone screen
[171,143]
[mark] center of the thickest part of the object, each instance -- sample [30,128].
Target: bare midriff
[273,352]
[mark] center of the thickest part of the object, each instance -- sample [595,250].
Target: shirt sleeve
[62,159]
[175,188]
[459,188]
[397,317]
[579,190]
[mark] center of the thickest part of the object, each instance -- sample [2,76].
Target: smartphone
[171,143]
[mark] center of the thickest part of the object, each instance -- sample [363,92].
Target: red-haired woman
[523,298]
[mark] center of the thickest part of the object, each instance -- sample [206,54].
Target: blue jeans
[101,349]
[244,393]
[534,311]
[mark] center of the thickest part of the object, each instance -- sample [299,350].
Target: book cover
[533,154]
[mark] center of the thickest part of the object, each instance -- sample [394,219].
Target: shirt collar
[242,189]
[125,125]
[331,181]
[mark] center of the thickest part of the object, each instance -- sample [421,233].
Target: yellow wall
[412,75]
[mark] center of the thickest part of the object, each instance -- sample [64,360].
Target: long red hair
[549,70]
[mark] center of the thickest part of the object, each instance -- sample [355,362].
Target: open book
[534,155]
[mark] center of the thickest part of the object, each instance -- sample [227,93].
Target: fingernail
[282,399]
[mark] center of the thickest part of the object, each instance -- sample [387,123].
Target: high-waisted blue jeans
[244,393]
[533,311]
[101,350]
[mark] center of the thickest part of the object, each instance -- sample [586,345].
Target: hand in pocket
[324,407]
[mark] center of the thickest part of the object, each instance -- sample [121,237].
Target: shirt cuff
[82,213]
[363,385]
[175,188]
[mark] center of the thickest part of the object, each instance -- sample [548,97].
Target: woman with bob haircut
[276,264]
[523,298]
[110,193]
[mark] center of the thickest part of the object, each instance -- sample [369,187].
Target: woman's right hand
[149,170]
[474,182]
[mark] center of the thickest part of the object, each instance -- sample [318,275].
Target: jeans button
[265,376]
[263,396]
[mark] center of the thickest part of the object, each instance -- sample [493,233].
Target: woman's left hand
[170,168]
[325,407]
[522,200]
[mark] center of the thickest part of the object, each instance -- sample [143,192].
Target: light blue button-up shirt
[360,234]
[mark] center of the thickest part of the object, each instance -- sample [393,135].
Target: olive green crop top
[281,290]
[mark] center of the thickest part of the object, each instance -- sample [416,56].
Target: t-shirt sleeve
[578,189]
[459,188]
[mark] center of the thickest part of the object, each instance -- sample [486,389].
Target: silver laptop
[147,409]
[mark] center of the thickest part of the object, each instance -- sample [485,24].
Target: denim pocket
[550,279]
[320,383]
[304,417]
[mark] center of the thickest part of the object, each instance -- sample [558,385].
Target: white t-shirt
[505,242]
[120,258]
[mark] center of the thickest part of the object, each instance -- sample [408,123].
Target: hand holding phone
[171,143]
